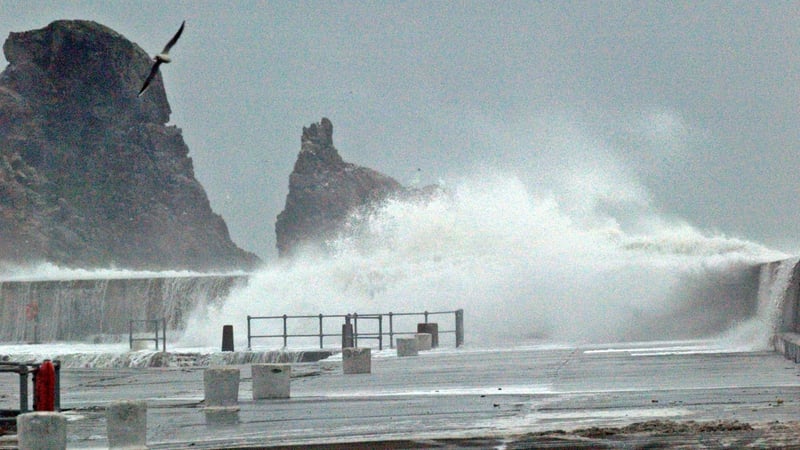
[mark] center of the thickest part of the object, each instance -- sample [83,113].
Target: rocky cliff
[90,174]
[324,191]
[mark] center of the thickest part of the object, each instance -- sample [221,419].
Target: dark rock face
[90,175]
[324,191]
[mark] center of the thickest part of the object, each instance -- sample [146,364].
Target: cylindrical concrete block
[407,347]
[433,329]
[356,360]
[126,424]
[271,380]
[423,341]
[44,430]
[221,386]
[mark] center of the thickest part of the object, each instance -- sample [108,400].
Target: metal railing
[320,326]
[155,323]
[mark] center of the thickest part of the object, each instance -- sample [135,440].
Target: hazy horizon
[685,109]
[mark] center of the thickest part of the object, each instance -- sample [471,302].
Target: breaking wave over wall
[525,267]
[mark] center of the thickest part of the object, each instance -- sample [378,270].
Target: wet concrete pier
[465,398]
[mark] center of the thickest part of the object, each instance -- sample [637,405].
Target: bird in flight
[162,57]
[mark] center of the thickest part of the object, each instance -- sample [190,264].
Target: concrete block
[44,430]
[126,424]
[432,329]
[142,345]
[271,380]
[356,360]
[406,347]
[424,341]
[221,386]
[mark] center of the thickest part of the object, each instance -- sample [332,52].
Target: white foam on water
[521,265]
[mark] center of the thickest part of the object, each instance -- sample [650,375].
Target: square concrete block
[407,347]
[271,381]
[221,386]
[356,360]
[44,430]
[126,424]
[432,329]
[423,341]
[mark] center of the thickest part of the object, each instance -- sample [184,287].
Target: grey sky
[696,101]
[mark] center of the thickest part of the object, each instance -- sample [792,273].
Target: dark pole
[284,331]
[249,345]
[320,331]
[391,332]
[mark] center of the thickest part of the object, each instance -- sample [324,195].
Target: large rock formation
[90,175]
[324,191]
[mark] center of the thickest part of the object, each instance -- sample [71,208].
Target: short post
[271,381]
[42,430]
[459,327]
[432,329]
[347,333]
[356,360]
[227,338]
[407,347]
[221,387]
[126,424]
[423,341]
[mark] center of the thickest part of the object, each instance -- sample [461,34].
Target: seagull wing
[174,39]
[146,84]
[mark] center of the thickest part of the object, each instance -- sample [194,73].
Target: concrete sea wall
[77,310]
[787,336]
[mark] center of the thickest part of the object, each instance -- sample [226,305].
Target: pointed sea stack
[91,175]
[324,190]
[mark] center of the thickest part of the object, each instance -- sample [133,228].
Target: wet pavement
[465,398]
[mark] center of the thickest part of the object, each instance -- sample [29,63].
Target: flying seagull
[162,57]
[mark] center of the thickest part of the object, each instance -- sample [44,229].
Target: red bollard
[45,388]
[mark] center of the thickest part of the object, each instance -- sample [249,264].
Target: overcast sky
[696,101]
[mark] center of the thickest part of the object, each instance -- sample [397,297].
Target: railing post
[391,331]
[284,332]
[163,335]
[130,334]
[249,347]
[320,331]
[459,328]
[23,388]
[426,316]
[380,331]
[156,326]
[57,365]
